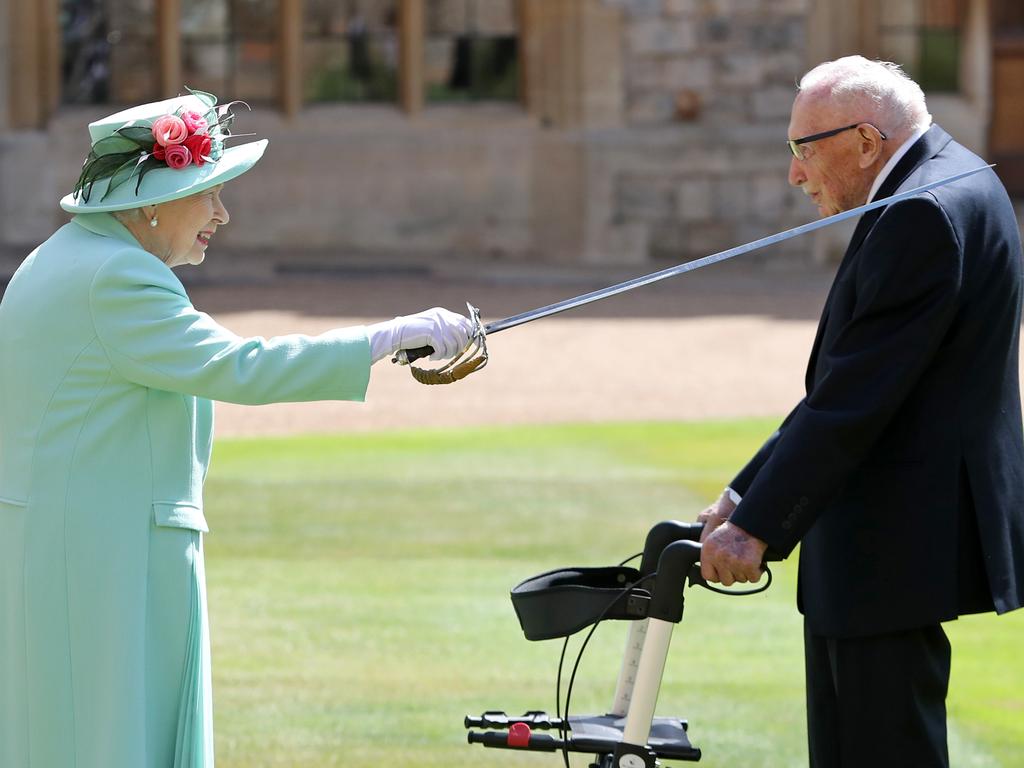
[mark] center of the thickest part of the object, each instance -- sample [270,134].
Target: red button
[519,735]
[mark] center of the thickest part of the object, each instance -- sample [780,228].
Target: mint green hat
[130,166]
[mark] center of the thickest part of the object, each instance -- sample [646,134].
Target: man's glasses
[795,144]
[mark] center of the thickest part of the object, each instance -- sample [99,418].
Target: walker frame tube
[658,539]
[648,682]
[630,665]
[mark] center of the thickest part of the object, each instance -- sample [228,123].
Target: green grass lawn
[359,599]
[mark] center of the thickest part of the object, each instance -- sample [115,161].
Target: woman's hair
[128,214]
[880,90]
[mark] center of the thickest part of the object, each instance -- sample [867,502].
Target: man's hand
[716,514]
[731,555]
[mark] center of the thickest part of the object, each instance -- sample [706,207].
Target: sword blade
[689,266]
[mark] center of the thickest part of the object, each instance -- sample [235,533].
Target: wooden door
[1006,141]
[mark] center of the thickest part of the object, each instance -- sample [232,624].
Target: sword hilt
[406,356]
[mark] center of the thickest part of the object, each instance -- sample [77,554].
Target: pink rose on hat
[182,139]
[169,130]
[194,121]
[177,156]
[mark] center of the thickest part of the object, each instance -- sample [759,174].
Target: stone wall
[684,157]
[701,163]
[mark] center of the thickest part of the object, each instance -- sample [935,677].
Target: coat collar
[105,225]
[925,148]
[928,146]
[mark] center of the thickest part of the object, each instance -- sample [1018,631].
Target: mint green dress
[107,373]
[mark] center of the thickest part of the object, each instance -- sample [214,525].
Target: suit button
[797,509]
[804,501]
[787,524]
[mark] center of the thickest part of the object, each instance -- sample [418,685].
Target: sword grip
[412,355]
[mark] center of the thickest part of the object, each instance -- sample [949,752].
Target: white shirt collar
[897,156]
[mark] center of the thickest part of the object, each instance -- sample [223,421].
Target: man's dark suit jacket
[902,470]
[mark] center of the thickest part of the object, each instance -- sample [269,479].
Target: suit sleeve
[742,482]
[154,337]
[908,281]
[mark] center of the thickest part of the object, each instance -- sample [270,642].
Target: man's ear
[869,145]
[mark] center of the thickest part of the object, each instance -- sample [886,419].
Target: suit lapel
[923,149]
[863,227]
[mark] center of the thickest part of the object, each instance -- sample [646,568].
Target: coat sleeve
[742,482]
[154,337]
[908,281]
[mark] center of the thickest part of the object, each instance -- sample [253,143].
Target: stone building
[576,131]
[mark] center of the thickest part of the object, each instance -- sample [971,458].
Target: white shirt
[897,156]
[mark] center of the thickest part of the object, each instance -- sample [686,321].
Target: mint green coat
[106,377]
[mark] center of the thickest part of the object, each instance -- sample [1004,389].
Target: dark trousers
[877,701]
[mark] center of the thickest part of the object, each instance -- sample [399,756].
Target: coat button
[804,501]
[787,524]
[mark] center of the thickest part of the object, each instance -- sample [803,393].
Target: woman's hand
[447,332]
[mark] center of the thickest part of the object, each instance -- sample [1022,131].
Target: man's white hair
[878,92]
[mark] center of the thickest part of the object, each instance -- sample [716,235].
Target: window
[107,51]
[924,36]
[471,50]
[260,51]
[229,48]
[350,50]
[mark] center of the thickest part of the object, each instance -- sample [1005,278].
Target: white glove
[447,332]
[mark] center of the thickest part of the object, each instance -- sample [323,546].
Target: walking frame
[560,603]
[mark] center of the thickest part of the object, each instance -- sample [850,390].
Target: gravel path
[721,343]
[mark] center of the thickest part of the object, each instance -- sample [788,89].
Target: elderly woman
[106,377]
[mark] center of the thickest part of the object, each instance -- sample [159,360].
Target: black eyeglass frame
[793,144]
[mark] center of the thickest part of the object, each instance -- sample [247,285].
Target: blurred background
[570,132]
[513,153]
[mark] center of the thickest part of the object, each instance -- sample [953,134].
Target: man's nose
[796,172]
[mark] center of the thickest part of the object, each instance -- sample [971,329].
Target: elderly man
[902,470]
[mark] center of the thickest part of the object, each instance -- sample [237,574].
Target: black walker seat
[562,602]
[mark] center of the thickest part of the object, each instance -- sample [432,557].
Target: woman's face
[186,225]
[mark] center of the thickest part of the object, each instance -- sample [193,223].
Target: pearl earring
[153,222]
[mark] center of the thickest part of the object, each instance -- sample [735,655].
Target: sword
[409,355]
